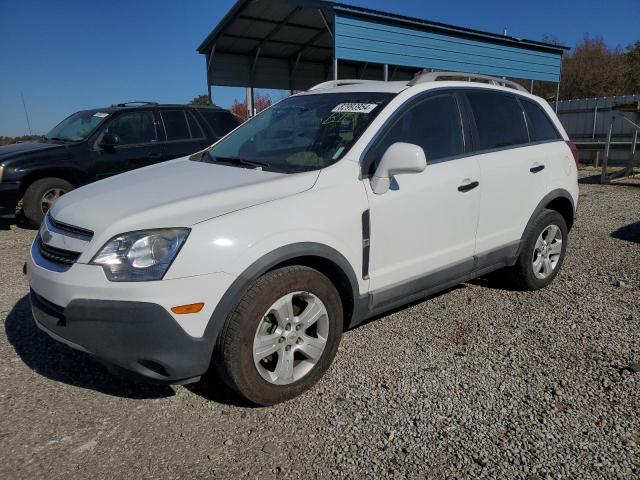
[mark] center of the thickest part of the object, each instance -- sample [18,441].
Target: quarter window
[133,128]
[194,126]
[540,126]
[175,124]
[220,122]
[434,124]
[499,120]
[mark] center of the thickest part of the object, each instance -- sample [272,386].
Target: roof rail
[435,76]
[128,104]
[340,83]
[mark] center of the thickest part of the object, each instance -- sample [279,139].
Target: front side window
[434,124]
[133,128]
[77,127]
[499,120]
[540,126]
[175,125]
[303,132]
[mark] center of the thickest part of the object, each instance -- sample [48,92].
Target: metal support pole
[531,89]
[250,102]
[335,68]
[386,72]
[604,177]
[595,118]
[557,96]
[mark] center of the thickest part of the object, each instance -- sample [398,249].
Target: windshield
[300,133]
[77,127]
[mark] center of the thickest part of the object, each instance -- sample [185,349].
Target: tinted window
[540,126]
[220,122]
[434,124]
[499,120]
[194,127]
[133,128]
[175,125]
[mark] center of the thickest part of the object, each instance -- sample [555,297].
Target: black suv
[94,144]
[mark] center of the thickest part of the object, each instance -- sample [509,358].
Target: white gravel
[478,382]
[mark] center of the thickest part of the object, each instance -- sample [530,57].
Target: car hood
[10,151]
[173,194]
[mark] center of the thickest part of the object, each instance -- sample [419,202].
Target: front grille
[77,231]
[57,255]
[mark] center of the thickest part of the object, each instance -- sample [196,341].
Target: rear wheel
[282,335]
[40,197]
[542,252]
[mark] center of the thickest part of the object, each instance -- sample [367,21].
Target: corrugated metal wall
[583,123]
[373,41]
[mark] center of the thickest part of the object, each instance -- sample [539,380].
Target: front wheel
[282,335]
[542,252]
[40,196]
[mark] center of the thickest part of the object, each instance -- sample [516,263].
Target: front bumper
[128,326]
[9,194]
[137,337]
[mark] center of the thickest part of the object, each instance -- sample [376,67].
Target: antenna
[24,105]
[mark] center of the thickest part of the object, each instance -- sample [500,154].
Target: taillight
[574,151]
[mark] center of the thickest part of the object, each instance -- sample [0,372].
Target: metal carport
[295,44]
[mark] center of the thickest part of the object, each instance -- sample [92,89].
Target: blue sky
[69,55]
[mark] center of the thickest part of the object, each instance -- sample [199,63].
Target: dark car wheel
[282,335]
[40,197]
[542,253]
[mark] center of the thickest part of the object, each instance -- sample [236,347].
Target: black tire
[522,275]
[33,199]
[233,357]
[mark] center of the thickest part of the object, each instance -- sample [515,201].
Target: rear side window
[175,124]
[499,120]
[194,126]
[434,124]
[220,122]
[540,126]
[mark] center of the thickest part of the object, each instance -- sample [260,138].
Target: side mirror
[109,140]
[398,159]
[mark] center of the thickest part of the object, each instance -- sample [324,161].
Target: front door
[425,225]
[138,144]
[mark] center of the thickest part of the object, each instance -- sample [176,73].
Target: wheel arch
[73,176]
[321,257]
[559,200]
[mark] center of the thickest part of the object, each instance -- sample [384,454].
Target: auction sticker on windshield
[355,108]
[101,114]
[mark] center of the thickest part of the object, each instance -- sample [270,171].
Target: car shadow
[61,363]
[630,233]
[590,180]
[408,305]
[8,219]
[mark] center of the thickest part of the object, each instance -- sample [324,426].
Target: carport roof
[284,28]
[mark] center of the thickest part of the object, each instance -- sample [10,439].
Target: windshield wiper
[58,139]
[238,161]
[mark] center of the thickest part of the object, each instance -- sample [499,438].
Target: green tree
[200,100]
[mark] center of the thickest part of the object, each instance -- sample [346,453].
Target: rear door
[220,122]
[138,144]
[183,135]
[426,222]
[513,172]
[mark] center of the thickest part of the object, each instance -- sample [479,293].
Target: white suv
[334,205]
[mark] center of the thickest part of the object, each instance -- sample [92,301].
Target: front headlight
[140,256]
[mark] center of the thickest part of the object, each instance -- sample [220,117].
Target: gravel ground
[478,382]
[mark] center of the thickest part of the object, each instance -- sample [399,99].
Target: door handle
[537,169]
[467,187]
